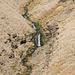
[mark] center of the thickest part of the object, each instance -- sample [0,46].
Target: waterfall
[39,43]
[37,40]
[33,25]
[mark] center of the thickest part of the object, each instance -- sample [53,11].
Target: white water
[39,43]
[33,26]
[25,16]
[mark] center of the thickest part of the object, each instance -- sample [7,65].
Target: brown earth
[57,20]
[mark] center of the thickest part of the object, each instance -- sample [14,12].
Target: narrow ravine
[37,41]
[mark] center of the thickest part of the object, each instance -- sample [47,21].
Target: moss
[26,71]
[39,27]
[28,18]
[23,56]
[42,39]
[30,51]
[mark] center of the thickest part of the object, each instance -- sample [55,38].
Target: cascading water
[33,24]
[25,15]
[38,42]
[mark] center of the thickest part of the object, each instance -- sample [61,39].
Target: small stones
[5,42]
[17,39]
[21,54]
[62,0]
[3,50]
[9,40]
[1,63]
[9,34]
[47,22]
[11,56]
[24,60]
[48,52]
[14,46]
[18,74]
[57,28]
[3,17]
[0,54]
[14,35]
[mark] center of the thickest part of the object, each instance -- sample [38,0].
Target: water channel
[37,41]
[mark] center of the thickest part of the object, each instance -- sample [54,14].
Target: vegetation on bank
[28,18]
[30,51]
[39,28]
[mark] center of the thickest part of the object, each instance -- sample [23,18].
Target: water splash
[39,42]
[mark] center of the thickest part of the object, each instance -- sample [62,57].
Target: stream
[37,41]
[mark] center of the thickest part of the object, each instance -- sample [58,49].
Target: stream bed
[37,41]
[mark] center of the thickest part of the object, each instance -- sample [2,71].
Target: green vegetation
[27,17]
[39,27]
[30,51]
